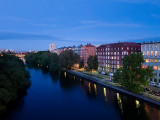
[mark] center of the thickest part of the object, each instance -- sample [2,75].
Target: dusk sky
[33,24]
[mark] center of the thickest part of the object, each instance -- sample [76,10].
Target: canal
[66,97]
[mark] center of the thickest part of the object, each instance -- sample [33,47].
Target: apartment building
[86,51]
[151,53]
[110,55]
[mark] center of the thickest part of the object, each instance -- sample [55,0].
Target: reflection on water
[63,96]
[128,107]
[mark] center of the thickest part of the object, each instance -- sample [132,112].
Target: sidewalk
[115,87]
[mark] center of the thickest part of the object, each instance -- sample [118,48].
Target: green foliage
[67,59]
[81,64]
[13,79]
[132,76]
[95,63]
[44,59]
[52,61]
[92,63]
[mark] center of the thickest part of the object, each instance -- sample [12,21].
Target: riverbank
[102,82]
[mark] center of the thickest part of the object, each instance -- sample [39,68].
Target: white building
[151,53]
[52,47]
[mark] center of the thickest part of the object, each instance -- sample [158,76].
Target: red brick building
[110,55]
[86,51]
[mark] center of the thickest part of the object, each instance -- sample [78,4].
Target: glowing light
[137,103]
[74,77]
[80,80]
[95,88]
[89,86]
[65,74]
[105,92]
[120,102]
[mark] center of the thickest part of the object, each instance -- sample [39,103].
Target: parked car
[158,85]
[110,74]
[152,83]
[146,89]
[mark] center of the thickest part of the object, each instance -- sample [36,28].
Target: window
[117,57]
[117,53]
[159,68]
[117,66]
[147,60]
[114,53]
[151,53]
[114,57]
[143,53]
[155,67]
[117,62]
[143,66]
[121,48]
[151,60]
[155,61]
[156,53]
[147,53]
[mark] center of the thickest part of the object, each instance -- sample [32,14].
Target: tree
[81,64]
[132,76]
[67,59]
[13,79]
[90,63]
[95,63]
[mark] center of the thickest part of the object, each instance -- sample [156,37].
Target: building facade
[86,51]
[151,53]
[52,47]
[110,55]
[77,49]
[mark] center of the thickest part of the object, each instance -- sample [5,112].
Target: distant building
[77,49]
[86,51]
[110,55]
[151,53]
[52,47]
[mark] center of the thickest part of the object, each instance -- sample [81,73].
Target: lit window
[156,53]
[143,53]
[147,53]
[159,61]
[143,66]
[155,61]
[127,48]
[117,66]
[155,67]
[147,60]
[159,68]
[151,53]
[122,48]
[151,60]
[114,53]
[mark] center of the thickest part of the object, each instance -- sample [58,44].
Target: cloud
[140,1]
[91,24]
[156,16]
[43,25]
[9,35]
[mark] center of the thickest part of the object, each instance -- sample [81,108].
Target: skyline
[33,25]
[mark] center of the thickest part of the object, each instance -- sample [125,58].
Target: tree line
[52,61]
[14,79]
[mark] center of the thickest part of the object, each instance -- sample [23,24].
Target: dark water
[67,97]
